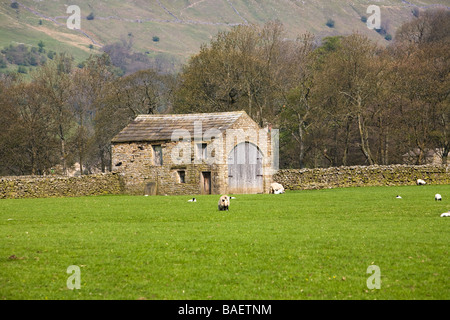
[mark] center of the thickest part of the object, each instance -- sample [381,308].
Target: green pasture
[298,245]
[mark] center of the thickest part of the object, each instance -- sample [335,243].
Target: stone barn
[204,153]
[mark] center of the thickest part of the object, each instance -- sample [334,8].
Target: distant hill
[170,31]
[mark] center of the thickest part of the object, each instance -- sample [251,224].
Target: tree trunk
[63,155]
[346,141]
[364,139]
[102,161]
[386,147]
[301,144]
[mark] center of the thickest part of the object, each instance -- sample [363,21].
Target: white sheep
[420,182]
[398,197]
[224,203]
[192,200]
[445,214]
[276,188]
[437,197]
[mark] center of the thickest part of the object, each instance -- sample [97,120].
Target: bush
[22,69]
[330,23]
[381,31]
[155,38]
[90,16]
[388,37]
[33,61]
[15,5]
[41,46]
[364,19]
[2,63]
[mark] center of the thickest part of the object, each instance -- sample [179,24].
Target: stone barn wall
[60,186]
[134,162]
[358,176]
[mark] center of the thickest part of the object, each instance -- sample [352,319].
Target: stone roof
[160,127]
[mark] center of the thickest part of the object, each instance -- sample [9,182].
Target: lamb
[420,182]
[224,203]
[437,197]
[276,188]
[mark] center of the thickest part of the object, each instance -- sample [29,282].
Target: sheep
[446,214]
[192,200]
[437,197]
[420,182]
[398,197]
[224,203]
[276,188]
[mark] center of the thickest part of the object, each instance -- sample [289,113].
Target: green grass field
[298,245]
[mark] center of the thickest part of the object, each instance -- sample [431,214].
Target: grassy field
[298,245]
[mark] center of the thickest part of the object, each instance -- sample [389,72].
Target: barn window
[157,155]
[202,151]
[182,176]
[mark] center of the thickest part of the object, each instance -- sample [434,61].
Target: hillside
[175,29]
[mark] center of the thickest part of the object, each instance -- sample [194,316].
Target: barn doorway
[150,188]
[245,169]
[206,182]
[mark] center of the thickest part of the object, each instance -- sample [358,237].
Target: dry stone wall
[291,179]
[60,186]
[358,176]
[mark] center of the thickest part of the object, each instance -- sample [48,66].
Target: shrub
[388,37]
[15,5]
[364,19]
[330,23]
[41,46]
[381,31]
[2,63]
[90,16]
[155,38]
[22,69]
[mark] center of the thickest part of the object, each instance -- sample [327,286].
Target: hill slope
[176,29]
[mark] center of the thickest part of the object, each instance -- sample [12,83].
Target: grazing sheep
[420,182]
[445,214]
[276,188]
[224,203]
[192,200]
[437,197]
[398,197]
